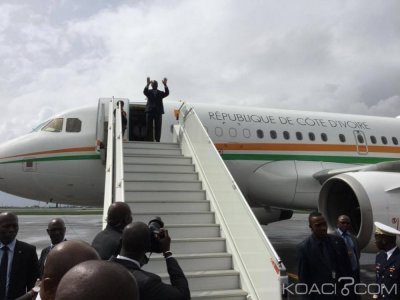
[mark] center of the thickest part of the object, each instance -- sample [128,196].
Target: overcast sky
[338,56]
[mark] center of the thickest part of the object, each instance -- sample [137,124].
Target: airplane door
[137,122]
[361,142]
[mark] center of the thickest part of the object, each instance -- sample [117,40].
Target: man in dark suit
[387,262]
[18,260]
[343,225]
[136,241]
[56,232]
[154,108]
[108,242]
[322,261]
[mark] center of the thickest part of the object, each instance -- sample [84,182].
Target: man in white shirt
[387,262]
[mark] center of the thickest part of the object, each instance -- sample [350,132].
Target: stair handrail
[188,113]
[109,183]
[119,184]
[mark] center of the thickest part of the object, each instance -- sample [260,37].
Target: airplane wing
[388,166]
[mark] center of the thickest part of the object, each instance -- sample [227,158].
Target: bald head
[61,258]
[56,230]
[8,227]
[97,280]
[136,238]
[119,215]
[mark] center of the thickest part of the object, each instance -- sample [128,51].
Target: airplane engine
[365,197]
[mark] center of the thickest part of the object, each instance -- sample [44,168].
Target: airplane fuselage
[282,148]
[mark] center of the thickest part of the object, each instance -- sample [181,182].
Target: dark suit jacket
[152,288]
[313,268]
[42,259]
[355,243]
[155,100]
[24,270]
[107,242]
[388,273]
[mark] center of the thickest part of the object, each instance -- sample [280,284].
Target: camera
[155,225]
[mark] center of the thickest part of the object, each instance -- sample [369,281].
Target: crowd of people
[329,264]
[110,268]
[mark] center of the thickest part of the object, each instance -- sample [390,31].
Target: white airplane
[282,160]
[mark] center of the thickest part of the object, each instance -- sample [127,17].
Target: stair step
[136,195]
[198,245]
[154,185]
[177,218]
[158,176]
[149,159]
[210,280]
[169,206]
[219,295]
[192,262]
[151,145]
[150,151]
[193,230]
[167,167]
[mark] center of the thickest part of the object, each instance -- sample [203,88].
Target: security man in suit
[154,108]
[18,260]
[108,241]
[343,225]
[136,241]
[387,262]
[56,231]
[322,261]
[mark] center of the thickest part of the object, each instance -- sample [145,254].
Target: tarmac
[284,235]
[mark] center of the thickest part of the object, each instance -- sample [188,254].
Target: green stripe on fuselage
[55,158]
[324,158]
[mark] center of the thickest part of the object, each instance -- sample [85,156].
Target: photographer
[136,241]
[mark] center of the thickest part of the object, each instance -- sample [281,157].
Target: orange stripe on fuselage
[56,151]
[306,147]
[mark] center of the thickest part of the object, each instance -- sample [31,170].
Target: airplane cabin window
[373,139]
[286,135]
[74,125]
[218,131]
[54,125]
[324,137]
[311,136]
[273,134]
[395,141]
[299,135]
[260,133]
[246,133]
[232,132]
[342,138]
[360,138]
[384,140]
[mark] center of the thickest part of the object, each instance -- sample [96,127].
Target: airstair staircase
[216,239]
[160,181]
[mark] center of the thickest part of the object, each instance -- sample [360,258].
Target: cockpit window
[74,125]
[37,128]
[54,125]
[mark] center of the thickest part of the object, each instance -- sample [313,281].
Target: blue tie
[3,273]
[350,250]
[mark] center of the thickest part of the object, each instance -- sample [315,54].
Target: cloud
[340,56]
